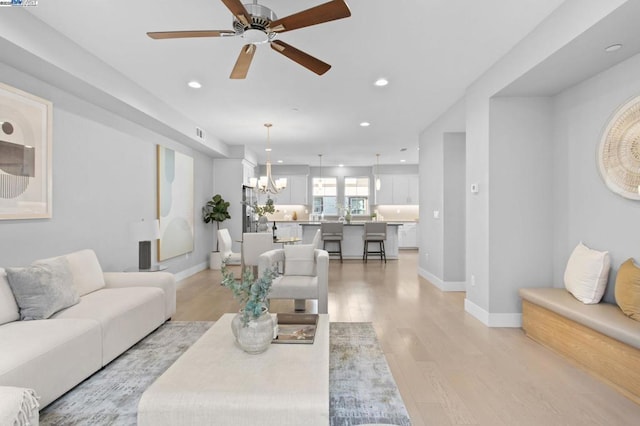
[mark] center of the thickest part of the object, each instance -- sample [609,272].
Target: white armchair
[306,275]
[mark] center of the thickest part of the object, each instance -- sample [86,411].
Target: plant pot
[215,260]
[256,336]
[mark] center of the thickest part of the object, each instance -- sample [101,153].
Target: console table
[215,383]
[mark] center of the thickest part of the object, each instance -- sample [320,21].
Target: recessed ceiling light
[194,84]
[365,124]
[340,165]
[381,82]
[403,161]
[612,48]
[280,161]
[268,149]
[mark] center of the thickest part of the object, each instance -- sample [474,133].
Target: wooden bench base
[610,360]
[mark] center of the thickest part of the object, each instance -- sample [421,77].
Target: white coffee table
[215,383]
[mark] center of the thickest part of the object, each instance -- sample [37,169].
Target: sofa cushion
[294,287]
[628,289]
[43,288]
[86,270]
[299,259]
[586,274]
[125,315]
[49,356]
[8,307]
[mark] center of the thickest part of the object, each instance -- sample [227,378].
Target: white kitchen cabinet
[288,230]
[384,196]
[398,190]
[408,236]
[295,192]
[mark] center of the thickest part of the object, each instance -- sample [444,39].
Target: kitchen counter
[352,244]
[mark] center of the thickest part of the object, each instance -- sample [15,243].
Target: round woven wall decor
[619,153]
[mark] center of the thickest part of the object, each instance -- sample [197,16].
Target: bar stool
[374,232]
[332,232]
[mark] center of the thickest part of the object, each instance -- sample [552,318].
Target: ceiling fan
[258,24]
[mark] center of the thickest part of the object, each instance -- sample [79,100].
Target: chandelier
[266,184]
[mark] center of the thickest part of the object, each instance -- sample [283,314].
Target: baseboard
[493,320]
[191,271]
[442,285]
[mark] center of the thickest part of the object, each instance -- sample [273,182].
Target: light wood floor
[450,368]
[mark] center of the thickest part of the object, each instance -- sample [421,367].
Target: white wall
[431,171]
[520,203]
[570,20]
[587,210]
[454,209]
[104,178]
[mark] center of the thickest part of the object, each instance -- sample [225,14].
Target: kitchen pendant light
[378,184]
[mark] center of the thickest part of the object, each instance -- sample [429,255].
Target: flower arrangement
[268,207]
[251,293]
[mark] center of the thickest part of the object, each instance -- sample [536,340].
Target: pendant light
[378,185]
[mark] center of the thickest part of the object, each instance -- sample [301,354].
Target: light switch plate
[436,214]
[474,188]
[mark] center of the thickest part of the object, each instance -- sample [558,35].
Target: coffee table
[215,383]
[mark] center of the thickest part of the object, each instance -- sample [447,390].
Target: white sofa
[115,311]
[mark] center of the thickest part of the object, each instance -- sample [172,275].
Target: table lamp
[144,232]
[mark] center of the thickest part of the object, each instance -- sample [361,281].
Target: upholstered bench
[598,337]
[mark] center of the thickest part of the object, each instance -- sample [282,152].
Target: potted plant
[253,326]
[216,210]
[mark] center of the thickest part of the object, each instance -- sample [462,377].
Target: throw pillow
[43,288]
[299,259]
[628,289]
[586,274]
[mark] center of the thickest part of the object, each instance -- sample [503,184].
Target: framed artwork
[175,203]
[619,151]
[25,155]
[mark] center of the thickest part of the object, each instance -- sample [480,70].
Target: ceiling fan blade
[304,59]
[238,10]
[336,9]
[158,35]
[241,67]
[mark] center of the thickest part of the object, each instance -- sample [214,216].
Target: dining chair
[224,243]
[374,232]
[253,245]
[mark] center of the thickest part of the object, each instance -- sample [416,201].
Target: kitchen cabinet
[398,190]
[295,192]
[408,236]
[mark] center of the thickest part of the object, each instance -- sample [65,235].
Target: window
[356,194]
[325,195]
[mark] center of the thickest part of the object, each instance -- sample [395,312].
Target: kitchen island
[352,244]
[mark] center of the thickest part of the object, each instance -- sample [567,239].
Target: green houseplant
[216,210]
[253,325]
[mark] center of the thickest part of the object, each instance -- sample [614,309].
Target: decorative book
[296,328]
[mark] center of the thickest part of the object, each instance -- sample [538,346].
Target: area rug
[361,387]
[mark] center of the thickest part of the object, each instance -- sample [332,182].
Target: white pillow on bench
[586,274]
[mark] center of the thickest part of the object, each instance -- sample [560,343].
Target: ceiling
[429,50]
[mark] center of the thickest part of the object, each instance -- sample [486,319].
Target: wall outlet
[473,280]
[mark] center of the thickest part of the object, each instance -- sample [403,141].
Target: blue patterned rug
[361,387]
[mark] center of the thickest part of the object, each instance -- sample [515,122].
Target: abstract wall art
[175,203]
[25,155]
